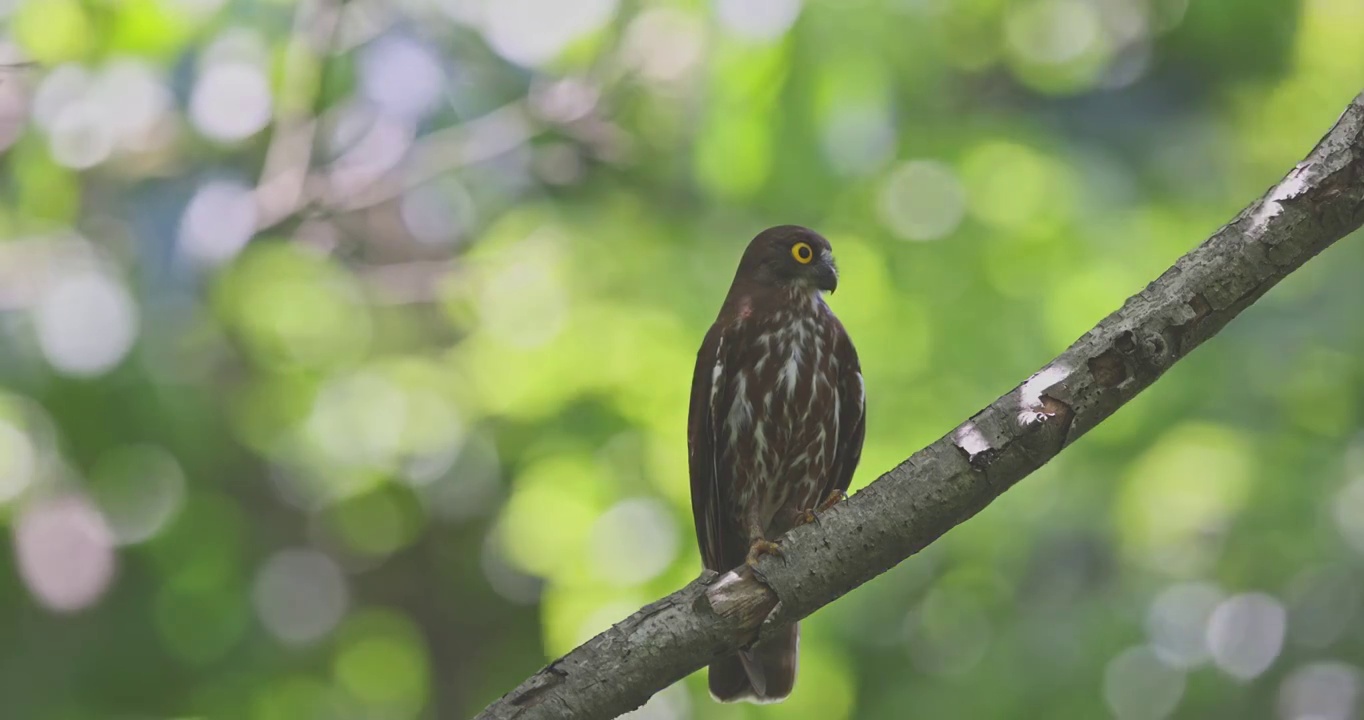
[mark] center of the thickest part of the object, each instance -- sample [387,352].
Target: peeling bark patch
[1125,344]
[979,460]
[1175,334]
[970,440]
[1200,306]
[973,446]
[1060,416]
[1292,186]
[1108,368]
[1056,409]
[1030,394]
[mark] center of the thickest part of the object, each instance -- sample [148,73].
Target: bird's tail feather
[764,673]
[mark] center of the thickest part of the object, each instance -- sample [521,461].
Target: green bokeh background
[451,424]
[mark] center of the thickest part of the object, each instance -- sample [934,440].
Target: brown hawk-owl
[775,429]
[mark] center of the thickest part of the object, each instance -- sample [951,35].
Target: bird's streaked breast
[782,421]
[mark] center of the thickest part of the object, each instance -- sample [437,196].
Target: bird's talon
[760,548]
[834,498]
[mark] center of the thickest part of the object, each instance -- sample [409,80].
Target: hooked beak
[826,274]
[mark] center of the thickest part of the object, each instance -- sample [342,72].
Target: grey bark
[1317,203]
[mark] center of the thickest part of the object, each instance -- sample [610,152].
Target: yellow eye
[802,253]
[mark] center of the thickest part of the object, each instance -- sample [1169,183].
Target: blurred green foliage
[385,452]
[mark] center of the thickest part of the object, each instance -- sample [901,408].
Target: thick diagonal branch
[1319,202]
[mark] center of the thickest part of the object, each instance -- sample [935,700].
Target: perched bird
[775,427]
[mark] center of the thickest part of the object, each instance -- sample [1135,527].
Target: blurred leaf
[54,31]
[48,195]
[148,28]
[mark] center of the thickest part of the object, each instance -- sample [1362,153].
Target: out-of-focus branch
[290,184]
[431,156]
[946,483]
[289,156]
[348,184]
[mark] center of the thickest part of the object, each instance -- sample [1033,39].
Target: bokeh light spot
[218,222]
[1057,46]
[139,488]
[922,200]
[1322,602]
[371,144]
[1081,297]
[1171,524]
[86,323]
[358,420]
[546,524]
[1014,187]
[65,552]
[1177,623]
[859,137]
[633,542]
[1246,633]
[762,20]
[64,85]
[377,523]
[401,77]
[299,698]
[949,633]
[1138,686]
[1320,691]
[461,484]
[132,101]
[300,595]
[53,30]
[294,308]
[524,303]
[664,44]
[534,32]
[508,581]
[1348,510]
[1052,31]
[80,136]
[231,101]
[382,661]
[438,214]
[201,9]
[18,460]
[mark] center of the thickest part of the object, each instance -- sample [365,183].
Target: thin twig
[293,144]
[433,155]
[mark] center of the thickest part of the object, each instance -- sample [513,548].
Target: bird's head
[790,256]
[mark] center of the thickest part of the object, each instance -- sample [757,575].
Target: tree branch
[1319,202]
[291,183]
[280,190]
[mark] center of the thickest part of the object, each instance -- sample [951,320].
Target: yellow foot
[808,516]
[834,498]
[760,548]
